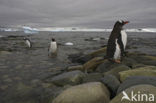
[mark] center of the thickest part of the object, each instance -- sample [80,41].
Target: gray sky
[77,13]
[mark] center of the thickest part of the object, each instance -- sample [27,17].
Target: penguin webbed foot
[117,61]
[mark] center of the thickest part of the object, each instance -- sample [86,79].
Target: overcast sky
[77,13]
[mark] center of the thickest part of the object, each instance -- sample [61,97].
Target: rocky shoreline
[103,82]
[106,80]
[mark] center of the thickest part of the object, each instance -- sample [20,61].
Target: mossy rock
[99,52]
[77,67]
[71,78]
[142,89]
[92,77]
[145,59]
[93,63]
[115,70]
[136,80]
[112,83]
[93,92]
[142,71]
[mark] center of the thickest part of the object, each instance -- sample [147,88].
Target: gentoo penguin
[52,50]
[117,42]
[28,42]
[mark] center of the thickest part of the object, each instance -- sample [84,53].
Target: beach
[24,71]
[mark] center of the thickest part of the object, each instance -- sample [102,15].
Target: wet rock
[99,52]
[136,80]
[107,66]
[83,58]
[112,83]
[93,63]
[142,71]
[77,67]
[72,78]
[129,62]
[115,70]
[79,58]
[142,89]
[92,77]
[144,59]
[84,93]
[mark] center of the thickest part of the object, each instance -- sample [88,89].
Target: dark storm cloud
[81,13]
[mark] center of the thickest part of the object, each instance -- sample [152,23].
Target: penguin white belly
[117,52]
[53,47]
[28,43]
[124,37]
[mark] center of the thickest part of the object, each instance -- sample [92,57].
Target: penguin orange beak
[126,22]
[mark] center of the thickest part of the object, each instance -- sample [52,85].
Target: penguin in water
[28,42]
[52,50]
[117,42]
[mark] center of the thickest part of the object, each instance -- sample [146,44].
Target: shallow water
[21,65]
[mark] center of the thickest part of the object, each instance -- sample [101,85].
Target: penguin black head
[120,23]
[52,39]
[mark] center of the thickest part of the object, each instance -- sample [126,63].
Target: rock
[93,63]
[112,83]
[77,67]
[138,90]
[84,93]
[142,71]
[99,52]
[72,78]
[138,65]
[144,59]
[83,58]
[92,77]
[79,58]
[107,66]
[115,70]
[129,62]
[136,80]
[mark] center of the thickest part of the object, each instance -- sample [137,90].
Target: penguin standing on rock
[28,42]
[52,50]
[117,42]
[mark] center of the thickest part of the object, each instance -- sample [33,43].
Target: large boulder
[94,92]
[115,70]
[112,83]
[142,71]
[136,80]
[93,63]
[72,78]
[137,94]
[92,77]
